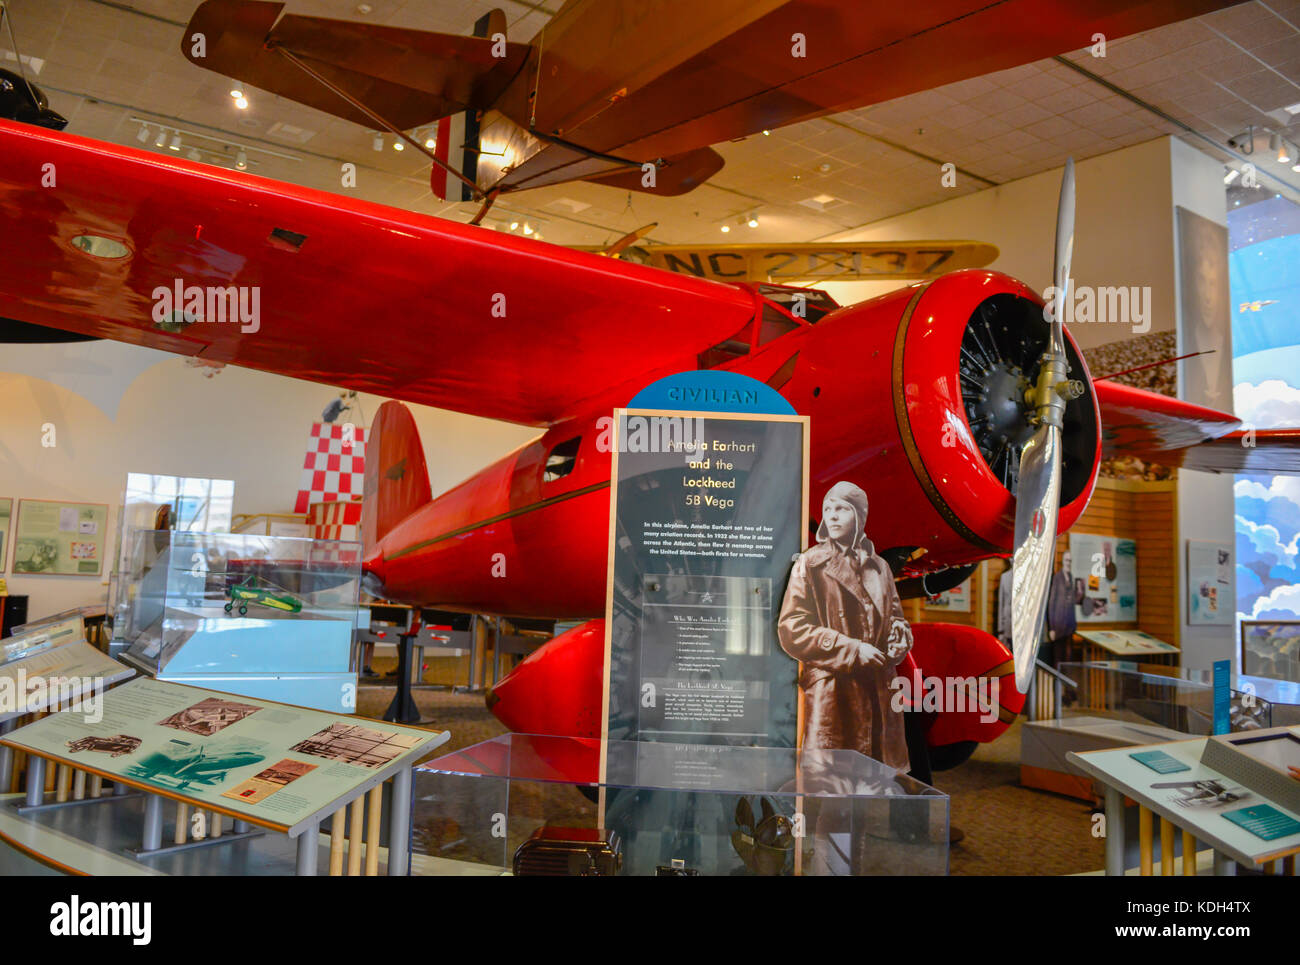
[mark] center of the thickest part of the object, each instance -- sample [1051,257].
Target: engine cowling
[942,368]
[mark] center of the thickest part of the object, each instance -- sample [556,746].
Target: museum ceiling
[108,65]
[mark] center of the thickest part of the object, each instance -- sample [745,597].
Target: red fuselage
[879,381]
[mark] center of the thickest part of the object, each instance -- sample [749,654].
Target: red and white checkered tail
[397,481]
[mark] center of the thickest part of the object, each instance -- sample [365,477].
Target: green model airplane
[246,592]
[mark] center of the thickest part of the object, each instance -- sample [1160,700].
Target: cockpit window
[732,347]
[562,460]
[809,304]
[774,323]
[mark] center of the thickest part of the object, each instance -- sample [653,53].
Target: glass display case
[533,805]
[1179,699]
[264,616]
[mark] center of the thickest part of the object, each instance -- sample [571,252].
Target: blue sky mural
[1264,275]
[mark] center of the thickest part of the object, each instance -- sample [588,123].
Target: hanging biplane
[632,93]
[953,402]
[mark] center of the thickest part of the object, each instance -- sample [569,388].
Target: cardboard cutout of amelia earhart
[843,621]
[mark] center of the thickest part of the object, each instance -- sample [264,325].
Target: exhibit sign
[1210,597]
[707,512]
[65,539]
[6,518]
[1128,643]
[272,764]
[955,599]
[1104,571]
[1222,675]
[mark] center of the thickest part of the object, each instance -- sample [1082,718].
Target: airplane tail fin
[397,481]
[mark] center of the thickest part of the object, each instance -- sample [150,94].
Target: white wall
[1121,233]
[151,413]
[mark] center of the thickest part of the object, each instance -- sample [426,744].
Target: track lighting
[175,145]
[378,142]
[726,228]
[753,221]
[144,134]
[241,160]
[398,146]
[161,139]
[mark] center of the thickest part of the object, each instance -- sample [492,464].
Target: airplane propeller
[1039,489]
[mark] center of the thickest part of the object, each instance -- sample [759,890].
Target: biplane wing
[819,262]
[609,85]
[1162,429]
[347,292]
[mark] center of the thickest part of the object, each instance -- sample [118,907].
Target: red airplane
[632,93]
[919,396]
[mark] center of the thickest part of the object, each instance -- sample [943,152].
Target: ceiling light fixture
[1230,176]
[378,142]
[194,154]
[241,160]
[242,103]
[430,142]
[161,139]
[144,133]
[175,145]
[1278,146]
[528,229]
[398,146]
[753,221]
[726,228]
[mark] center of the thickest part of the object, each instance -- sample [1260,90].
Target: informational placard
[273,764]
[6,518]
[1128,643]
[1222,696]
[1104,572]
[71,674]
[66,539]
[708,511]
[954,600]
[1210,598]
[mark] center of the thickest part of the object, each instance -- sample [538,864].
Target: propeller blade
[1063,256]
[1038,493]
[1037,504]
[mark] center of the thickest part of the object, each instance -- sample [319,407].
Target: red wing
[1176,433]
[350,293]
[1266,451]
[408,77]
[1137,422]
